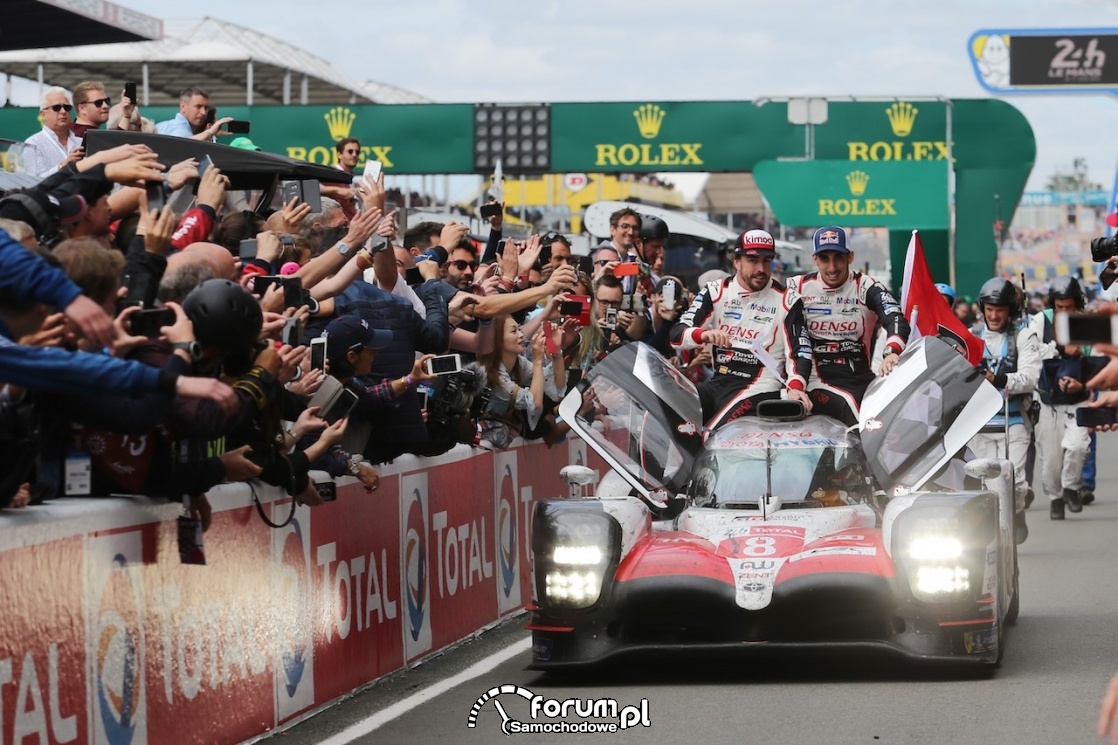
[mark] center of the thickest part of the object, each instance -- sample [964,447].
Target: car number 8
[760,546]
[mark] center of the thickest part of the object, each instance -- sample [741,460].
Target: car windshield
[808,471]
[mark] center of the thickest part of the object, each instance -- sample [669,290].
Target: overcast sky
[602,50]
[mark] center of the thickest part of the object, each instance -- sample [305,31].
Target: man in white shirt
[55,146]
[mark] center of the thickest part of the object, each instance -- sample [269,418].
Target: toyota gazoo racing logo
[549,715]
[506,532]
[117,675]
[415,565]
[293,591]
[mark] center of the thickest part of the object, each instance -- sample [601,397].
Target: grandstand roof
[212,54]
[38,23]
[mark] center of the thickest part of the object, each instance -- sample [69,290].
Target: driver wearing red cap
[758,332]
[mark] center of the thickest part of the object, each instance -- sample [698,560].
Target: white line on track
[400,708]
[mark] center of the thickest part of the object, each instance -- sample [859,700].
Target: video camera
[462,394]
[1103,248]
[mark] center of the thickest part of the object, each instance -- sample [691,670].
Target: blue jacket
[25,275]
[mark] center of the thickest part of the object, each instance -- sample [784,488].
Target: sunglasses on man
[99,102]
[462,264]
[60,107]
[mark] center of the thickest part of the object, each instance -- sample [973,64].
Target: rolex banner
[873,194]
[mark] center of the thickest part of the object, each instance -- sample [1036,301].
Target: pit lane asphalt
[1057,664]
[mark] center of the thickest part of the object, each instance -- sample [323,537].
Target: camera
[457,395]
[1103,248]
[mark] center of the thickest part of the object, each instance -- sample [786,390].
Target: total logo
[117,641]
[293,592]
[416,569]
[506,531]
[292,588]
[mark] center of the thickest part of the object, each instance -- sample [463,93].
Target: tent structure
[52,23]
[234,64]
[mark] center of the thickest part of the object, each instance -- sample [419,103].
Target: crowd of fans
[171,350]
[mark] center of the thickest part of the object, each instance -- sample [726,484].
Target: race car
[779,531]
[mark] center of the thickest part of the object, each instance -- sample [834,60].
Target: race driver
[749,318]
[842,309]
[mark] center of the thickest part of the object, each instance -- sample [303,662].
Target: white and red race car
[780,531]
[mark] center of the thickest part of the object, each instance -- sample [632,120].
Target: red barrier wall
[107,638]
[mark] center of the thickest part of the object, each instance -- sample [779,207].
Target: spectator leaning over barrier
[91,107]
[530,386]
[29,288]
[55,146]
[351,348]
[191,119]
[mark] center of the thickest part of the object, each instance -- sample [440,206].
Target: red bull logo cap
[753,242]
[830,238]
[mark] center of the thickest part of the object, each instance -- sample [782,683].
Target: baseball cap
[243,143]
[830,238]
[345,333]
[40,210]
[752,242]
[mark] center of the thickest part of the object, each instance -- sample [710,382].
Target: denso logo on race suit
[831,327]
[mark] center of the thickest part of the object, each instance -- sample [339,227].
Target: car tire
[1014,608]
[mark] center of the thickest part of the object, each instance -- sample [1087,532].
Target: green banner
[405,138]
[902,195]
[865,131]
[669,136]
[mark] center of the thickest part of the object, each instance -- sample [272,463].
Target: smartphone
[292,334]
[292,292]
[247,250]
[291,190]
[147,322]
[341,407]
[140,290]
[576,306]
[318,353]
[237,127]
[372,172]
[157,195]
[489,210]
[424,396]
[501,246]
[1086,328]
[586,265]
[328,490]
[311,194]
[413,277]
[611,317]
[130,92]
[1085,416]
[627,269]
[549,338]
[203,164]
[669,295]
[444,364]
[261,284]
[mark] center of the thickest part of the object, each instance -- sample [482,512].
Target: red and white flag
[927,312]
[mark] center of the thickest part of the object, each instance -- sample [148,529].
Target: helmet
[653,228]
[225,315]
[999,291]
[947,291]
[1066,287]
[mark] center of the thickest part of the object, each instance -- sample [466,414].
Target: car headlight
[940,549]
[575,549]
